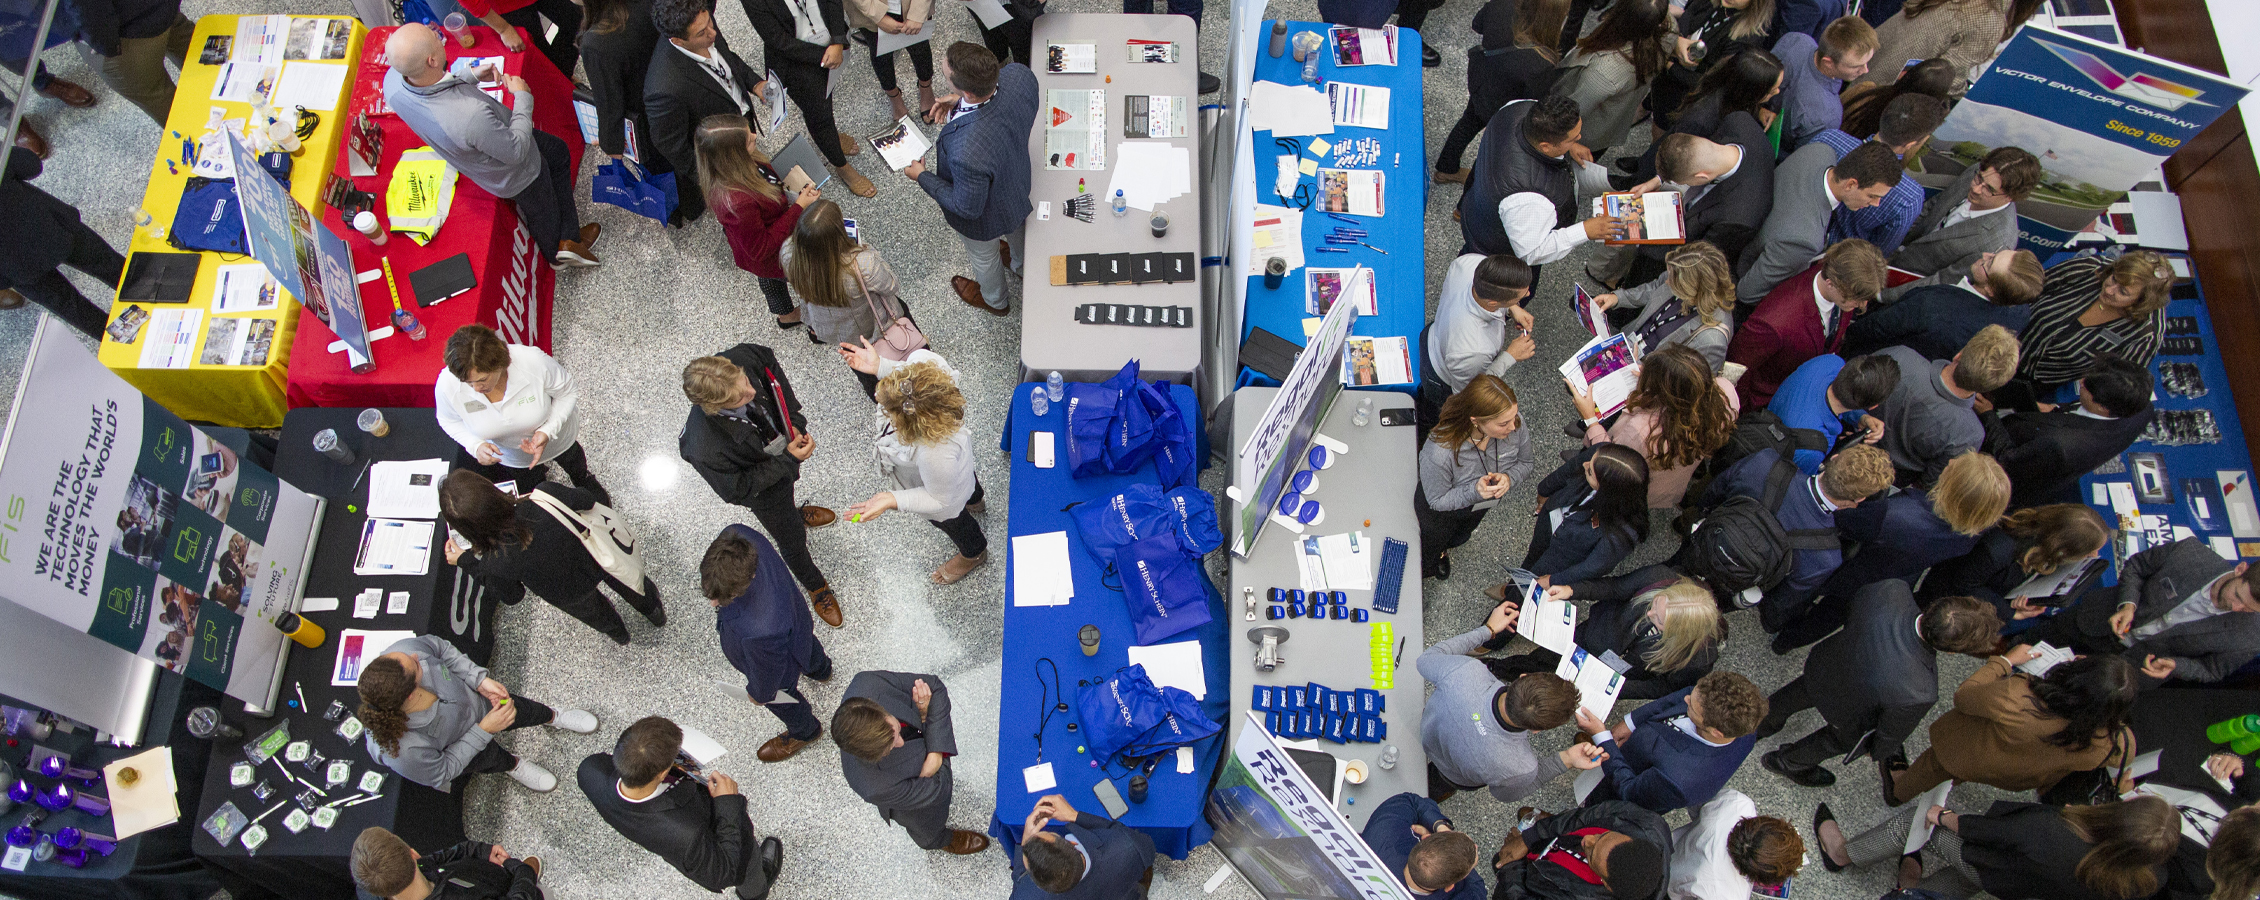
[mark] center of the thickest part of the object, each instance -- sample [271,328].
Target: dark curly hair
[384,686]
[2094,695]
[673,18]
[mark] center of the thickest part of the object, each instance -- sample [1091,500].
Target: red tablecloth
[515,286]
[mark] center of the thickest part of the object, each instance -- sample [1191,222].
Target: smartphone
[1397,416]
[1111,799]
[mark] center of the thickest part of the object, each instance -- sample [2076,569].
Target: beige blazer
[865,14]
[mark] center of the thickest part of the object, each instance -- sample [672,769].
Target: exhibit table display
[207,333]
[480,266]
[1116,111]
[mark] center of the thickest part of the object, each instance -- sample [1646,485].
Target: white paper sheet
[901,144]
[1357,105]
[170,339]
[1150,173]
[1919,834]
[245,288]
[317,604]
[1042,574]
[2056,583]
[316,86]
[889,43]
[1587,780]
[776,91]
[355,647]
[1288,110]
[1597,684]
[703,749]
[405,489]
[394,547]
[2236,494]
[1551,624]
[1278,232]
[152,801]
[991,13]
[2045,656]
[244,82]
[1175,665]
[1613,361]
[2123,499]
[1348,560]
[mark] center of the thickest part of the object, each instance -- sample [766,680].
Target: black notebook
[443,279]
[1268,353]
[1175,267]
[1086,268]
[159,277]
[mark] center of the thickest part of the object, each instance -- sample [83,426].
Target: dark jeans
[800,719]
[574,461]
[547,206]
[921,61]
[1813,749]
[1190,8]
[492,758]
[563,52]
[805,84]
[1010,42]
[1428,396]
[1463,133]
[1440,787]
[1414,13]
[965,530]
[780,516]
[1441,529]
[55,293]
[779,294]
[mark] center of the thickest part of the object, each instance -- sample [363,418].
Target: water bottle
[1121,204]
[406,323]
[1389,756]
[1055,386]
[1038,403]
[1365,412]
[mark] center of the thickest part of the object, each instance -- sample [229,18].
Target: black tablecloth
[2174,720]
[312,864]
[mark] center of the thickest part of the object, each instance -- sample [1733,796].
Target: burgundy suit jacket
[1781,335]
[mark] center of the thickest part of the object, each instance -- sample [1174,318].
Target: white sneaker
[578,721]
[534,777]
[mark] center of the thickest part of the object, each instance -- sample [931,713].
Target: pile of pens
[1343,235]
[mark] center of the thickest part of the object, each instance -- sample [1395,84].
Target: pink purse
[899,337]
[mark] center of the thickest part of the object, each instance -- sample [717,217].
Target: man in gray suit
[2182,612]
[895,739]
[1975,215]
[1807,189]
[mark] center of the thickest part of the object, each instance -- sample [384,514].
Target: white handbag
[603,534]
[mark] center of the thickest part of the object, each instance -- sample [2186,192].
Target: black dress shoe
[1886,770]
[1810,776]
[1209,83]
[772,857]
[1821,814]
[1429,58]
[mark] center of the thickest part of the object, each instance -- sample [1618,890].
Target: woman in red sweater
[748,198]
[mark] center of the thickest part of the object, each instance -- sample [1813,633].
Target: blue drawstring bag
[1138,513]
[1174,454]
[1125,713]
[626,185]
[1090,417]
[1164,588]
[209,217]
[1195,512]
[1130,440]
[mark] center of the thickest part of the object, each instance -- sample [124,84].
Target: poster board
[1282,434]
[307,259]
[1278,830]
[2100,118]
[120,520]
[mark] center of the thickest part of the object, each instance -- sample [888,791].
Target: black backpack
[1759,429]
[1741,544]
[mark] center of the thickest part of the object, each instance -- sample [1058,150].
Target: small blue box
[1338,729]
[1380,729]
[1271,723]
[1278,595]
[1307,724]
[1296,700]
[1261,698]
[1341,598]
[1341,611]
[1342,703]
[1297,595]
[1316,696]
[1371,702]
[1295,609]
[1356,615]
[1369,728]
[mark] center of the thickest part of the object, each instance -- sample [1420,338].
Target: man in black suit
[1607,850]
[1088,858]
[43,234]
[2182,612]
[1997,288]
[1879,674]
[2046,452]
[385,867]
[804,40]
[747,436]
[1729,190]
[699,827]
[692,75]
[895,739]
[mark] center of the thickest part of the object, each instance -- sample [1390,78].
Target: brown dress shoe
[827,606]
[10,299]
[815,516]
[30,139]
[856,183]
[1459,177]
[967,843]
[575,255]
[1004,253]
[969,292]
[848,145]
[70,93]
[534,863]
[781,748]
[589,232]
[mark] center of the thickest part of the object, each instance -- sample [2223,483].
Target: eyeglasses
[1983,188]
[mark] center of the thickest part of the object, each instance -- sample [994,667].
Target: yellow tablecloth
[241,396]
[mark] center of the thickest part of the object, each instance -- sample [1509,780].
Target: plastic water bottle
[1055,386]
[1038,403]
[1365,412]
[1389,756]
[1121,204]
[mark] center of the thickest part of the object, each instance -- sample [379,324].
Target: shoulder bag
[899,337]
[602,534]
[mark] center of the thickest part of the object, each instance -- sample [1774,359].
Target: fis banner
[2099,117]
[311,263]
[1282,834]
[121,520]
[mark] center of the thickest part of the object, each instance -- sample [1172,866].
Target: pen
[1375,249]
[1342,218]
[1400,654]
[1330,249]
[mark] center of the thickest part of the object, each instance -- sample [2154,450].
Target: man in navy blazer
[1790,328]
[1418,845]
[1088,858]
[980,175]
[766,631]
[1679,749]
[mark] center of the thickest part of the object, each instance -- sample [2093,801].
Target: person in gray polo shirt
[1476,729]
[1932,415]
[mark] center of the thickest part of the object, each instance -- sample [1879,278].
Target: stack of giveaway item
[1115,426]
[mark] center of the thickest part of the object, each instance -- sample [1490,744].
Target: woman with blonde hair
[1901,535]
[1475,454]
[1962,32]
[2032,542]
[925,448]
[846,287]
[2090,304]
[748,198]
[1678,415]
[1697,277]
[1665,624]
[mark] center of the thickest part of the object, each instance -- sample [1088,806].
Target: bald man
[495,146]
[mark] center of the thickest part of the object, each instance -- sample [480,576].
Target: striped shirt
[2058,349]
[1885,224]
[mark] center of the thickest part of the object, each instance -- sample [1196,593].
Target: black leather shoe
[1887,771]
[1811,776]
[772,857]
[1429,58]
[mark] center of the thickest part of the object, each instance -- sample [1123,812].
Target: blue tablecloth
[1171,813]
[1402,272]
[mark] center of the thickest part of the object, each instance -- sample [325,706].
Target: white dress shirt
[1962,213]
[1821,300]
[1467,340]
[714,65]
[1700,867]
[540,396]
[1529,219]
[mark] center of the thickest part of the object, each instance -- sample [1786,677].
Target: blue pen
[1330,250]
[1342,218]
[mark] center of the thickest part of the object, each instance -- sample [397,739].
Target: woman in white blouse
[924,446]
[514,410]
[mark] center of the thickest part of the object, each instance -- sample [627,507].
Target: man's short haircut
[2122,387]
[647,750]
[1551,120]
[2021,283]
[1054,865]
[973,69]
[1636,870]
[1988,361]
[1856,472]
[1856,267]
[2019,170]
[382,863]
[1910,117]
[1871,164]
[1541,701]
[1865,381]
[860,728]
[1765,850]
[1731,703]
[1499,273]
[1441,860]
[1963,625]
[1676,156]
[1848,36]
[728,568]
[711,382]
[673,18]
